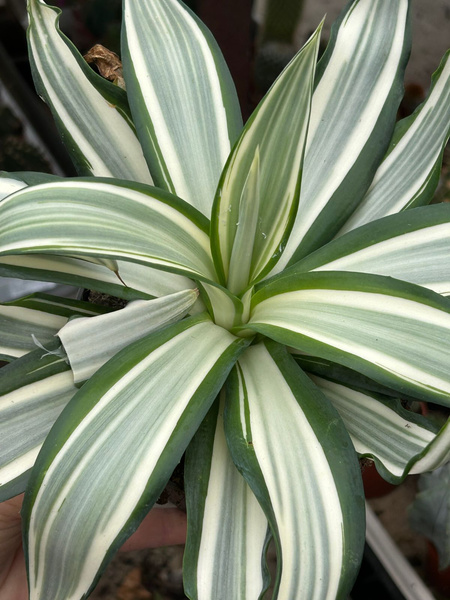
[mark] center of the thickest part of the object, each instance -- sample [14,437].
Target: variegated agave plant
[322,286]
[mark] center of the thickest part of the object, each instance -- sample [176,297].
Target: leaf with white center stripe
[65,307]
[358,90]
[90,112]
[401,438]
[258,192]
[182,97]
[140,281]
[224,556]
[437,453]
[225,309]
[391,331]
[13,182]
[90,342]
[37,319]
[413,247]
[34,390]
[18,325]
[301,465]
[339,374]
[9,185]
[109,219]
[409,174]
[115,446]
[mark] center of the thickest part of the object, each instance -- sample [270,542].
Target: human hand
[161,527]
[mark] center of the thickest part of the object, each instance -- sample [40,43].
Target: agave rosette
[287,287]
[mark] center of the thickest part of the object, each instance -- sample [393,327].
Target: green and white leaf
[359,87]
[258,192]
[65,307]
[33,391]
[20,327]
[182,96]
[339,374]
[300,463]
[437,454]
[108,219]
[90,112]
[409,174]
[141,281]
[227,529]
[115,446]
[416,249]
[225,308]
[36,319]
[29,177]
[90,342]
[245,229]
[381,429]
[391,331]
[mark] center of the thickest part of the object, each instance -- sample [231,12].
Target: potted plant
[268,351]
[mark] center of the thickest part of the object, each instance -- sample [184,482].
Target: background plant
[322,283]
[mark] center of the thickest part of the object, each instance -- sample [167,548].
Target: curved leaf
[115,446]
[263,175]
[20,327]
[90,112]
[36,319]
[339,374]
[359,87]
[136,280]
[34,390]
[413,247]
[65,307]
[227,530]
[90,342]
[301,465]
[109,219]
[393,332]
[183,99]
[9,185]
[410,172]
[402,437]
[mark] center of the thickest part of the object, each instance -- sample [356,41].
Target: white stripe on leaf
[26,416]
[183,99]
[405,339]
[141,278]
[297,475]
[264,170]
[107,143]
[112,452]
[231,547]
[18,325]
[360,76]
[408,167]
[90,342]
[99,218]
[376,429]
